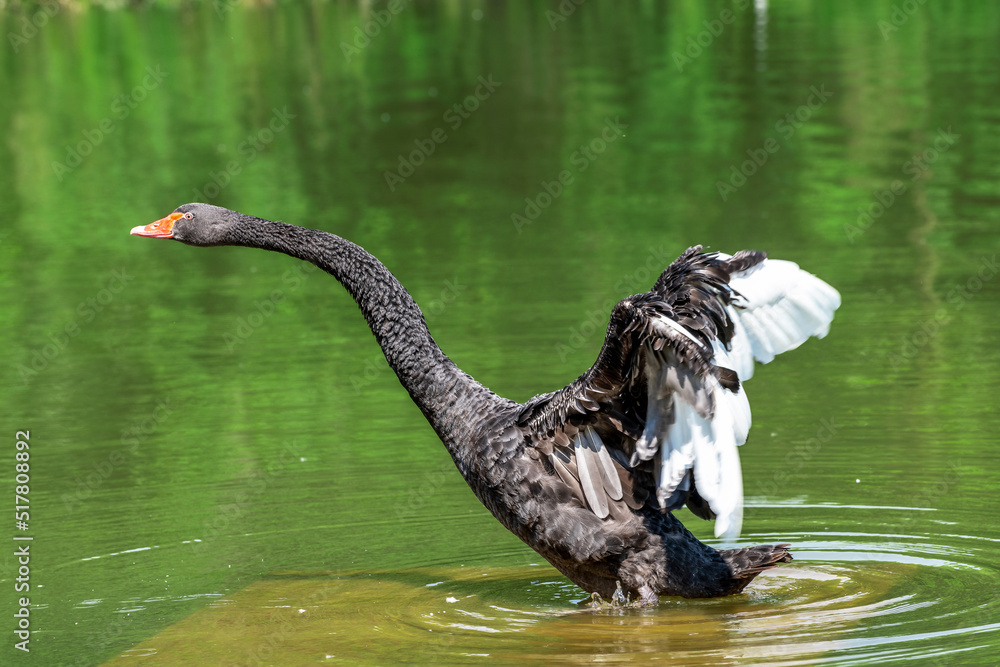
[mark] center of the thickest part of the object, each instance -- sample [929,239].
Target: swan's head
[194,224]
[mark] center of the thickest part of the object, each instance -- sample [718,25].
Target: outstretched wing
[659,416]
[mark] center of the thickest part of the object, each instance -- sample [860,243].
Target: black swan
[588,475]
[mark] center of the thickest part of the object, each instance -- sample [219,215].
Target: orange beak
[161,229]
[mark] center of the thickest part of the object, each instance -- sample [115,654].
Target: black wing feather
[611,396]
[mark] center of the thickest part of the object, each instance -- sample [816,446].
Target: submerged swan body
[589,475]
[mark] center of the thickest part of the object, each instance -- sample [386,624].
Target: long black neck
[453,402]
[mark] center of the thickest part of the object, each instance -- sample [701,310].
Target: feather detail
[676,326]
[777,307]
[590,478]
[697,415]
[609,476]
[663,410]
[567,472]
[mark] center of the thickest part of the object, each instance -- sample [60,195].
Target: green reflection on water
[228,396]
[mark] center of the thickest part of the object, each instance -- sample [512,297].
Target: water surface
[222,466]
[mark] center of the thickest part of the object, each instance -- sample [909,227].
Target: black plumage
[569,472]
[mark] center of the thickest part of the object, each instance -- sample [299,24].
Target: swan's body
[588,475]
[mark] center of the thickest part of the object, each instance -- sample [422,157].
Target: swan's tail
[748,562]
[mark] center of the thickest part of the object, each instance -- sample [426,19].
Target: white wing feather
[777,307]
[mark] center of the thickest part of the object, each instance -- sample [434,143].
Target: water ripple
[851,597]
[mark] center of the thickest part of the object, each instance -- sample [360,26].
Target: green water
[223,470]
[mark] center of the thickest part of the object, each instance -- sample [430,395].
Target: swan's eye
[189,216]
